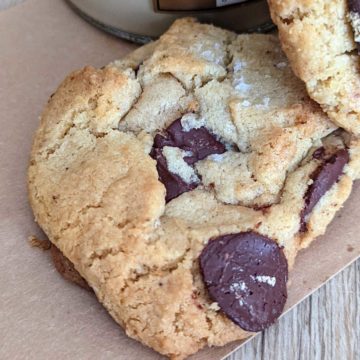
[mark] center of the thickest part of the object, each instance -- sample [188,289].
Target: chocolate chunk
[319,153]
[174,184]
[354,6]
[246,274]
[66,268]
[199,143]
[324,177]
[354,16]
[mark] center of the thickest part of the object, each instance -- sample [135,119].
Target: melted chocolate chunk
[199,143]
[354,9]
[324,177]
[319,153]
[354,6]
[246,274]
[174,184]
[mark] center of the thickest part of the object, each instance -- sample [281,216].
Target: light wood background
[325,326]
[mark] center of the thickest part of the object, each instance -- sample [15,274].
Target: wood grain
[325,326]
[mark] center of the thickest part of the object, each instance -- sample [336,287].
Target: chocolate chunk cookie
[182,181]
[321,39]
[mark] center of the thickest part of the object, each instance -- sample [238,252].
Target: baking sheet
[41,315]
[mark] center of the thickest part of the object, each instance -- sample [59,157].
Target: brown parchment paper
[41,315]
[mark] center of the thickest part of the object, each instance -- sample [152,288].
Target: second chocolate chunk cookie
[321,39]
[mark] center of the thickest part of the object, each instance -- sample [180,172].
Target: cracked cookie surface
[96,191]
[321,39]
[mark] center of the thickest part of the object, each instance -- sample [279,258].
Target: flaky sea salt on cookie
[182,181]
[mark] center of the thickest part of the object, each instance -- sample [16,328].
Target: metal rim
[144,39]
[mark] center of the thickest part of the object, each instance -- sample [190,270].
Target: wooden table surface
[325,326]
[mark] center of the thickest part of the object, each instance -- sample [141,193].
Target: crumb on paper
[41,244]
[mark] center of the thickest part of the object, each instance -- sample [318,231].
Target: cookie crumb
[41,244]
[214,306]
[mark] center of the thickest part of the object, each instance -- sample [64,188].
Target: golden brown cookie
[206,140]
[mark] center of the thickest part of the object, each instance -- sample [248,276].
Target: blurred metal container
[144,20]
